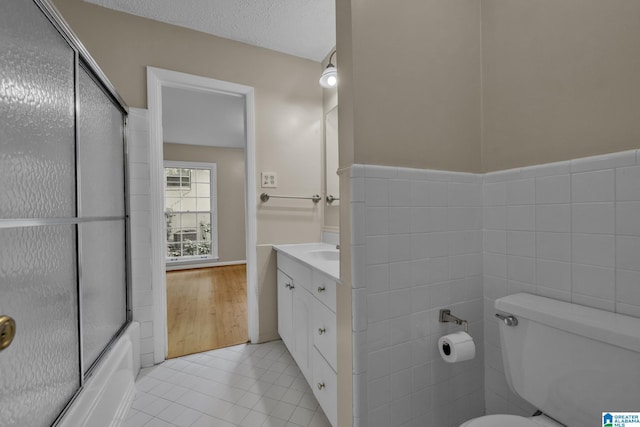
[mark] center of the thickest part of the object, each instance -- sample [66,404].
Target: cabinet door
[324,332]
[285,315]
[325,387]
[302,341]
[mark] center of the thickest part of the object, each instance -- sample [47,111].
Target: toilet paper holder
[446,316]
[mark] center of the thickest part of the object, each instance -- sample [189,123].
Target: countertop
[307,254]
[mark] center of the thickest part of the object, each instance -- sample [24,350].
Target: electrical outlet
[269,180]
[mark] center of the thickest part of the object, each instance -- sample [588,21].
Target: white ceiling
[199,118]
[304,28]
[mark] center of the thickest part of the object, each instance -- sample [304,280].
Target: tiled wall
[417,247]
[569,231]
[139,206]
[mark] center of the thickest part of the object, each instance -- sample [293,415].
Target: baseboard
[187,266]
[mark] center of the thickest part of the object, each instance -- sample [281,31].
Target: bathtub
[108,393]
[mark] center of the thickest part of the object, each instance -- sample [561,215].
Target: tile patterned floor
[245,385]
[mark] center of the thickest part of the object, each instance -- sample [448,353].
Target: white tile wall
[140,211]
[432,239]
[421,235]
[571,231]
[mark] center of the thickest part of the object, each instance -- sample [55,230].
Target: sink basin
[325,254]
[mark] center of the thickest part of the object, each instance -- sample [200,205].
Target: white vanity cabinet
[294,313]
[307,325]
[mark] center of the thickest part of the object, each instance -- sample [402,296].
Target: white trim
[213,197]
[156,79]
[181,163]
[189,265]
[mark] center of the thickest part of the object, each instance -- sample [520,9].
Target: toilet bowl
[511,421]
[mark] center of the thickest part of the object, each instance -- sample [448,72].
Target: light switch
[269,180]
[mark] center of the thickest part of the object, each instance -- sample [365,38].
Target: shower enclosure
[63,221]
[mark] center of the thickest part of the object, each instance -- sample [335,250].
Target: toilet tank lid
[612,328]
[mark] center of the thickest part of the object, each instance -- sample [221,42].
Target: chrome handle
[331,198]
[321,289]
[321,331]
[320,386]
[508,320]
[7,331]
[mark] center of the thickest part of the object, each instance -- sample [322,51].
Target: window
[176,179]
[189,210]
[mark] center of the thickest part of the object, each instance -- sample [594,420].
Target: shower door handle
[7,331]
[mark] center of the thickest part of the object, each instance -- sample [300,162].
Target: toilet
[512,421]
[571,362]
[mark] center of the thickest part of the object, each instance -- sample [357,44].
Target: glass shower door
[40,370]
[101,204]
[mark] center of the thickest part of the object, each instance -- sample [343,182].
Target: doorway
[206,309]
[204,212]
[213,289]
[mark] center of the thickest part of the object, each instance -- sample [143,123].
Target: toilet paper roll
[457,347]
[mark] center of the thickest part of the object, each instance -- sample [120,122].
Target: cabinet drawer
[324,288]
[325,387]
[323,329]
[300,273]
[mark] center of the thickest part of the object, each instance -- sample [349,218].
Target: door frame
[158,78]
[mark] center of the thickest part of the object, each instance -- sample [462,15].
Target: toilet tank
[571,362]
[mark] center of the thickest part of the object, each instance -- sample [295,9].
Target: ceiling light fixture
[329,77]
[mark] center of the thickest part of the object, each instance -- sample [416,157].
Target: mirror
[331,155]
[332,181]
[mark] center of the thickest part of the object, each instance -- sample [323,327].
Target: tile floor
[245,385]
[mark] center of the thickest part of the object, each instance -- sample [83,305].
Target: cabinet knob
[320,386]
[287,285]
[321,289]
[321,331]
[291,286]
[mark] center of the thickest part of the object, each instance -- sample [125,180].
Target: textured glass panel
[39,372]
[37,146]
[100,145]
[103,285]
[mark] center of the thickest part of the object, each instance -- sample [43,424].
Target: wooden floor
[206,309]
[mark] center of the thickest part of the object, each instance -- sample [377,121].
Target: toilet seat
[502,420]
